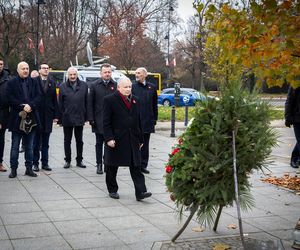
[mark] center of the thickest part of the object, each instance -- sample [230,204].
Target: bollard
[173,122]
[186,115]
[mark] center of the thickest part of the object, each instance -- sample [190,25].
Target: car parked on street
[188,97]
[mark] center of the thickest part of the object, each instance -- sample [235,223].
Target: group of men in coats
[121,115]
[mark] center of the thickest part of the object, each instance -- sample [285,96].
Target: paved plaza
[70,208]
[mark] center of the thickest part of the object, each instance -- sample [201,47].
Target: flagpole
[36,60]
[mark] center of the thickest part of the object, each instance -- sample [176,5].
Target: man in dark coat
[73,111]
[4,111]
[98,89]
[48,112]
[146,92]
[24,96]
[292,117]
[123,137]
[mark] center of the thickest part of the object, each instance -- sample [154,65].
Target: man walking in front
[146,92]
[98,90]
[123,137]
[48,112]
[73,111]
[24,96]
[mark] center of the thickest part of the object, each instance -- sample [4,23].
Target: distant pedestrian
[34,73]
[146,92]
[48,112]
[292,117]
[98,90]
[24,96]
[123,137]
[73,113]
[4,110]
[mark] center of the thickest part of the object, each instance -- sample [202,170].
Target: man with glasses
[48,112]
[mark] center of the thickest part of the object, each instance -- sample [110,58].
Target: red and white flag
[41,47]
[30,45]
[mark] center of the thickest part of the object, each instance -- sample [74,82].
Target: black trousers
[2,143]
[68,132]
[296,151]
[145,150]
[99,148]
[136,176]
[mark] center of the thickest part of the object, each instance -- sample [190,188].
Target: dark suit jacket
[148,105]
[73,103]
[122,125]
[95,102]
[4,108]
[48,109]
[16,99]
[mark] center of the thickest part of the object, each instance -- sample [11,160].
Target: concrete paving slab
[59,205]
[107,212]
[69,214]
[93,240]
[41,243]
[3,233]
[125,222]
[19,207]
[31,230]
[6,245]
[24,218]
[80,226]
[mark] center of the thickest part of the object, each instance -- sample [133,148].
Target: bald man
[147,94]
[24,96]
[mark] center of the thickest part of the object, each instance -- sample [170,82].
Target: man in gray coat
[73,111]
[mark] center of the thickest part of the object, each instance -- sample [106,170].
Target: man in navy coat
[48,112]
[24,96]
[123,137]
[98,89]
[146,92]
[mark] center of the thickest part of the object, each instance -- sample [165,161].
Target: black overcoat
[122,125]
[98,90]
[292,106]
[16,99]
[48,109]
[73,103]
[4,108]
[148,105]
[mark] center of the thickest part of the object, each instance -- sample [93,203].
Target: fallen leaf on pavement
[220,246]
[198,229]
[232,226]
[287,181]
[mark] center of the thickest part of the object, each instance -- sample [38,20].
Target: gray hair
[72,69]
[143,69]
[123,79]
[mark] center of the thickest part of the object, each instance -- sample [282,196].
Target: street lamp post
[39,2]
[167,37]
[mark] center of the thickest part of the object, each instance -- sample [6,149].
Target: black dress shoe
[143,196]
[47,168]
[67,165]
[294,164]
[29,172]
[35,168]
[13,173]
[114,195]
[145,171]
[99,169]
[80,165]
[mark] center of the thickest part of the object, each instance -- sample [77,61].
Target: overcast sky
[185,9]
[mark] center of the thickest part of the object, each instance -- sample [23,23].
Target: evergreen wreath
[199,172]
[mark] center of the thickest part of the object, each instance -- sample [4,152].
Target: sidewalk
[70,208]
